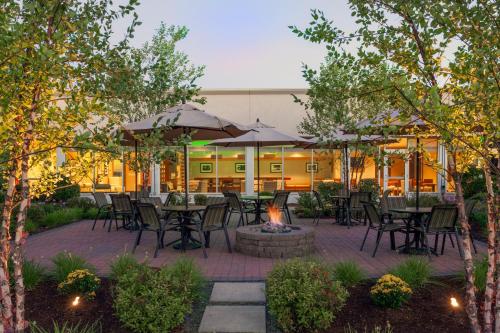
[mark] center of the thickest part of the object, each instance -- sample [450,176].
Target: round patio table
[184,215]
[414,215]
[259,200]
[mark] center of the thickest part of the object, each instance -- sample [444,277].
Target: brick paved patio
[333,243]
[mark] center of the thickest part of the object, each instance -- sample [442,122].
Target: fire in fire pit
[274,225]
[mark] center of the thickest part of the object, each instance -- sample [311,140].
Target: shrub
[148,300]
[84,203]
[122,265]
[33,274]
[376,329]
[390,292]
[65,263]
[348,273]
[370,185]
[36,213]
[414,271]
[305,205]
[327,190]
[425,200]
[200,199]
[65,190]
[62,217]
[473,182]
[266,194]
[303,296]
[68,328]
[480,270]
[82,282]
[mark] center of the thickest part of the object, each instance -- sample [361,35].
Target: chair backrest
[442,216]
[148,216]
[357,199]
[238,193]
[216,200]
[215,214]
[372,214]
[317,196]
[100,199]
[121,203]
[270,185]
[155,201]
[396,202]
[234,201]
[280,199]
[469,207]
[169,201]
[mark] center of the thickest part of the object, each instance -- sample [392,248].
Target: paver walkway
[235,307]
[333,243]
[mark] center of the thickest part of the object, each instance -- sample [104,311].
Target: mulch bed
[45,305]
[427,311]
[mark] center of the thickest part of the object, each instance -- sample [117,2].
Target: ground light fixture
[454,302]
[76,301]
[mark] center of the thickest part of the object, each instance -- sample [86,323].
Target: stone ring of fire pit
[296,243]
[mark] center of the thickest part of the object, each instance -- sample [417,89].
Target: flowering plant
[390,291]
[81,281]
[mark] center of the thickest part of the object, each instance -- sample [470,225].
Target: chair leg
[229,215]
[158,241]
[393,240]
[442,245]
[227,240]
[95,220]
[364,239]
[200,234]
[451,240]
[472,241]
[241,220]
[426,243]
[137,240]
[379,237]
[436,241]
[460,250]
[287,211]
[113,217]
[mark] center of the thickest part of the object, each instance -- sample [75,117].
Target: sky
[242,43]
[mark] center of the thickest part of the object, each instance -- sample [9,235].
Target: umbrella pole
[186,187]
[417,194]
[346,170]
[136,167]
[258,170]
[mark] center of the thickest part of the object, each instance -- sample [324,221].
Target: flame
[76,301]
[454,302]
[274,215]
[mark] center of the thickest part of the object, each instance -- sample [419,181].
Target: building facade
[215,169]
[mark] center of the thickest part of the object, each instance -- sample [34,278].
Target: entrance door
[396,173]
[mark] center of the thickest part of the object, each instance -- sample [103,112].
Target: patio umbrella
[400,127]
[181,120]
[337,139]
[260,135]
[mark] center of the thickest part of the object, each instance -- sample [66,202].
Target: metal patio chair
[214,219]
[469,208]
[121,209]
[280,201]
[441,221]
[102,206]
[377,223]
[356,209]
[236,206]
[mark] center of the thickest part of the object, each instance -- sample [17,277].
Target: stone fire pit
[253,241]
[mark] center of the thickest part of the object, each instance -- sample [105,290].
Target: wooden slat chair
[387,203]
[441,221]
[377,223]
[149,220]
[214,219]
[236,206]
[121,208]
[103,206]
[469,208]
[280,201]
[356,209]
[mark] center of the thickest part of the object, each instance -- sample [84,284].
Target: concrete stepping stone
[233,319]
[238,292]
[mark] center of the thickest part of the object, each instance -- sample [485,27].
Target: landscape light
[454,302]
[76,301]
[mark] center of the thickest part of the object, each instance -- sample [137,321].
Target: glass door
[395,175]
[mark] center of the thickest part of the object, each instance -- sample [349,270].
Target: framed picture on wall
[239,167]
[311,167]
[276,168]
[206,167]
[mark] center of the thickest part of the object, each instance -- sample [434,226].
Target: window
[427,166]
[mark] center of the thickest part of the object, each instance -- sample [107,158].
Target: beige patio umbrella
[261,135]
[337,139]
[181,120]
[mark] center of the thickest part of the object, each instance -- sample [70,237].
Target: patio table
[184,215]
[258,199]
[415,216]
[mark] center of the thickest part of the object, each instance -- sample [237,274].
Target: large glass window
[298,169]
[329,166]
[172,172]
[231,169]
[202,169]
[427,166]
[271,169]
